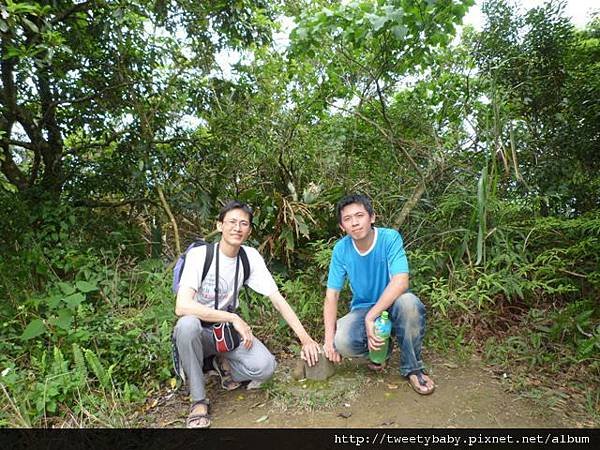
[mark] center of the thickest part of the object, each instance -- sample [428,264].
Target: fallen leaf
[172,383]
[240,397]
[171,422]
[262,419]
[345,414]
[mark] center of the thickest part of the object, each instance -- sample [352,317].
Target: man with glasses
[251,361]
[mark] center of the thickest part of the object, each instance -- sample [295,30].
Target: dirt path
[467,395]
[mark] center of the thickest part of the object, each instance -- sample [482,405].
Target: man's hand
[244,330]
[310,352]
[374,342]
[331,353]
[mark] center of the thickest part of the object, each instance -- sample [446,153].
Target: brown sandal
[376,367]
[198,420]
[421,383]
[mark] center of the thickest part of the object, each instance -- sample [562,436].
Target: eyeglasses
[243,224]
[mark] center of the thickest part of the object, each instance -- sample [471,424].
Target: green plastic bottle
[383,330]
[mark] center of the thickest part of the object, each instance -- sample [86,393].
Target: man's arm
[187,306]
[395,288]
[329,317]
[310,349]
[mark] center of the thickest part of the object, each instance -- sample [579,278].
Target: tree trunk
[410,204]
[52,149]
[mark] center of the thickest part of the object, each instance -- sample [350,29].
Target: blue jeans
[408,326]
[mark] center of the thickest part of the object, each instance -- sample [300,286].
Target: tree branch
[79,7]
[167,209]
[35,167]
[11,170]
[85,98]
[28,145]
[113,137]
[8,82]
[7,164]
[410,203]
[383,106]
[391,139]
[93,203]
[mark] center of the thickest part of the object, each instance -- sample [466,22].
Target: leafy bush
[79,322]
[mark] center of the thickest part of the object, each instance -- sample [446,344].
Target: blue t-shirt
[370,272]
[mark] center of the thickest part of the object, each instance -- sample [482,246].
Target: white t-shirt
[260,279]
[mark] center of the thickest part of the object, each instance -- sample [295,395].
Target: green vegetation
[311,395]
[120,138]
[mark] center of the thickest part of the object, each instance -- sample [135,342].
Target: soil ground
[469,395]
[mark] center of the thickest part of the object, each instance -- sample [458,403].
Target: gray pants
[194,343]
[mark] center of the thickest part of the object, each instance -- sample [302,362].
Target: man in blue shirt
[374,262]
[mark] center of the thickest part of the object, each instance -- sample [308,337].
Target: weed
[310,395]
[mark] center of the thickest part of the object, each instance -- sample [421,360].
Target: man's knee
[350,335]
[409,316]
[342,344]
[188,328]
[262,369]
[347,345]
[409,306]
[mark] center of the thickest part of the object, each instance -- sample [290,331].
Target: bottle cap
[384,315]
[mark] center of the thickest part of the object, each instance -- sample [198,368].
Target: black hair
[235,204]
[361,199]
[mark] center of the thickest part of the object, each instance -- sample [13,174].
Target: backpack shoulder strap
[210,253]
[180,263]
[245,264]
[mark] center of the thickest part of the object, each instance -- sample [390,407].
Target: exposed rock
[320,371]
